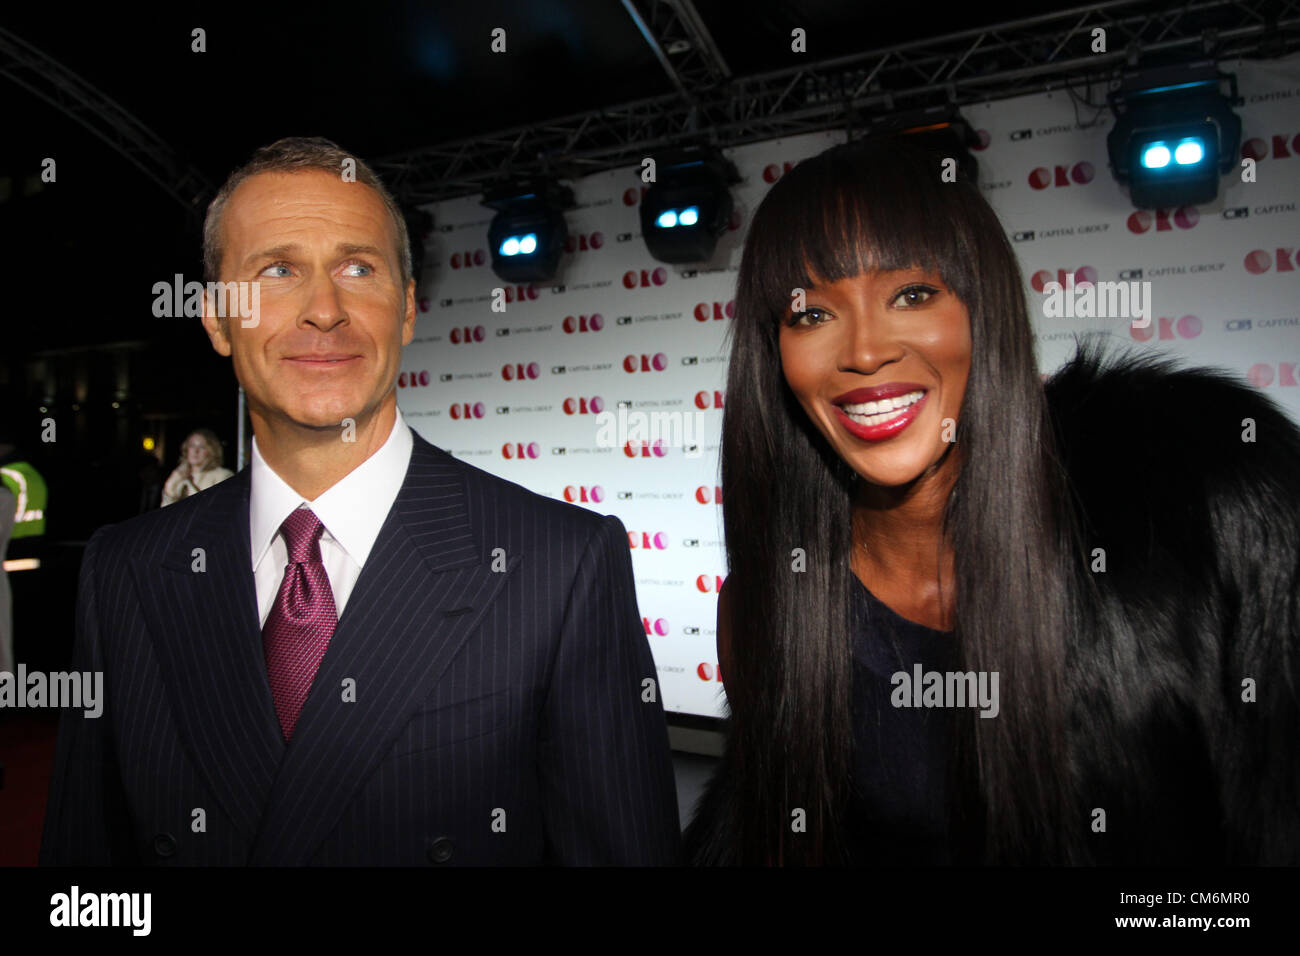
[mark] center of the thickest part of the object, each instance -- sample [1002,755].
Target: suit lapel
[424,589]
[202,612]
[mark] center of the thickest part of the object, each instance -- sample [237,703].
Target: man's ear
[408,321]
[217,327]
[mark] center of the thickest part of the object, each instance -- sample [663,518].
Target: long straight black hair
[781,791]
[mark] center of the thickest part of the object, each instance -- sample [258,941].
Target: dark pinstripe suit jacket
[500,714]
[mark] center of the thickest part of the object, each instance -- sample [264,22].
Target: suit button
[440,850]
[164,845]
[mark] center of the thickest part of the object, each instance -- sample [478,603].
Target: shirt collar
[352,510]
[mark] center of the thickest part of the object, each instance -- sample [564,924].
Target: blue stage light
[1189,152]
[689,216]
[1155,156]
[667,219]
[510,247]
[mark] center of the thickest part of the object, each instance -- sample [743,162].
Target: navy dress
[898,808]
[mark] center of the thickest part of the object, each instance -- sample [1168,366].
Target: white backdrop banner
[606,388]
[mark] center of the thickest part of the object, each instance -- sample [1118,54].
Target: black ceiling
[377,77]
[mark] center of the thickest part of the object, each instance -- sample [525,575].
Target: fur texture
[1198,531]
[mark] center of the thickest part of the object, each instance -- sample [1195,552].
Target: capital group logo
[1080,174]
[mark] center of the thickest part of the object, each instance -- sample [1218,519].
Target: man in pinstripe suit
[358,650]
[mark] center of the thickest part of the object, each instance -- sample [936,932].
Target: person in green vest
[22,515]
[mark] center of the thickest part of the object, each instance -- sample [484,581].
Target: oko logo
[519,450]
[1079,174]
[1259,261]
[468,410]
[707,671]
[704,401]
[1256,148]
[772,172]
[412,379]
[468,260]
[704,311]
[1163,220]
[644,279]
[708,583]
[1082,274]
[468,334]
[1264,374]
[584,241]
[519,372]
[647,540]
[1188,327]
[638,448]
[645,363]
[658,626]
[520,293]
[632,195]
[584,406]
[583,323]
[583,493]
[709,494]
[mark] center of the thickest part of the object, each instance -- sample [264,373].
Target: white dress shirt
[352,510]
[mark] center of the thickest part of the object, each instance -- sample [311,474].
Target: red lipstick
[891,426]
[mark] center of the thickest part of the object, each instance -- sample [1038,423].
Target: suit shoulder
[145,532]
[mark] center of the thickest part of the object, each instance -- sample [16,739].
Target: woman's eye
[914,295]
[815,317]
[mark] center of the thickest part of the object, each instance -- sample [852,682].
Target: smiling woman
[903,495]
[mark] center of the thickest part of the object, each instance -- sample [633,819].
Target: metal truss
[61,88]
[1047,51]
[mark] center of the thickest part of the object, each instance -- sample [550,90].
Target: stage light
[1175,135]
[528,233]
[939,129]
[689,206]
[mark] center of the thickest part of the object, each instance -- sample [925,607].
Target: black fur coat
[1185,691]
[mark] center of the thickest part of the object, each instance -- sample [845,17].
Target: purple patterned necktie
[302,619]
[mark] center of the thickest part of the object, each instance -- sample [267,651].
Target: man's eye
[813,316]
[365,269]
[276,265]
[915,295]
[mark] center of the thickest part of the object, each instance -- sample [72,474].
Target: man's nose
[324,307]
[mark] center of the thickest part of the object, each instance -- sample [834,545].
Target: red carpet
[27,753]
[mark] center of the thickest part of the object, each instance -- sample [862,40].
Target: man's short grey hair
[292,154]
